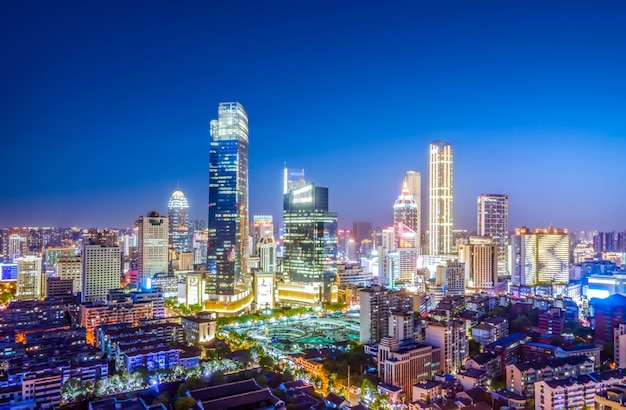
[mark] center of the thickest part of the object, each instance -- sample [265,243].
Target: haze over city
[104,111]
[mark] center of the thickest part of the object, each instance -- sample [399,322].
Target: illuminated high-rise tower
[310,238]
[152,233]
[292,178]
[405,212]
[414,183]
[441,195]
[228,201]
[540,257]
[178,217]
[493,221]
[405,225]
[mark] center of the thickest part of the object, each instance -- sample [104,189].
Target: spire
[405,188]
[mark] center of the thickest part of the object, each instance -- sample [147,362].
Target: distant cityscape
[298,311]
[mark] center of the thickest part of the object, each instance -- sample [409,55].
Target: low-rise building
[614,398]
[521,377]
[488,362]
[570,393]
[484,334]
[426,392]
[95,314]
[164,357]
[501,325]
[405,364]
[44,388]
[552,321]
[507,348]
[198,329]
[472,378]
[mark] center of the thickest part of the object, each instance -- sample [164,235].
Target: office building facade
[152,249]
[441,195]
[310,238]
[414,184]
[228,202]
[178,222]
[540,257]
[493,221]
[101,270]
[29,277]
[480,256]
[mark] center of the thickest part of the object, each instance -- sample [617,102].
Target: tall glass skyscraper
[493,221]
[178,216]
[441,195]
[227,259]
[310,237]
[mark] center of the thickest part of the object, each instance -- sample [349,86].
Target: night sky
[105,105]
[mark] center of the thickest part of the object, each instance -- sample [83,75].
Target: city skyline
[543,106]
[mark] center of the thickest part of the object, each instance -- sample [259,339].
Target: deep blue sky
[105,105]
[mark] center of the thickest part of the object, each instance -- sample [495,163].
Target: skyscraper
[480,257]
[414,183]
[292,178]
[441,195]
[405,213]
[29,277]
[228,201]
[310,237]
[262,227]
[152,246]
[493,221]
[17,243]
[178,218]
[540,257]
[102,267]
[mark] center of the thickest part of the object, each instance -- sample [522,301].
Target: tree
[520,324]
[607,354]
[266,362]
[73,390]
[557,340]
[261,380]
[497,311]
[163,398]
[184,403]
[498,383]
[474,348]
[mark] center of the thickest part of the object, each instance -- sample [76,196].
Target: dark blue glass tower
[228,200]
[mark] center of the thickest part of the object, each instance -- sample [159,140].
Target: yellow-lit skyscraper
[441,196]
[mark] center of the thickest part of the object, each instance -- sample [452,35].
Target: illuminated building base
[230,305]
[301,294]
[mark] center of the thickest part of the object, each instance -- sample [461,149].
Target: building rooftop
[483,326]
[495,319]
[510,339]
[584,379]
[542,364]
[224,390]
[259,399]
[427,384]
[483,358]
[389,387]
[473,373]
[579,348]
